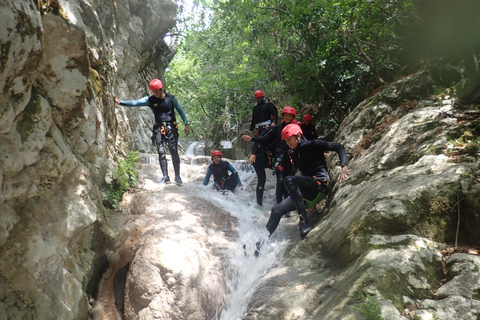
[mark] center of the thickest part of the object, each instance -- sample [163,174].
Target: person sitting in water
[221,179]
[308,157]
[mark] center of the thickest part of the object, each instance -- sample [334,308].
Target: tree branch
[369,61]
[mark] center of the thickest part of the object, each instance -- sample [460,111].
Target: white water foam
[243,269]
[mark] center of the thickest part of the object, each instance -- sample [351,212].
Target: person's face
[157,93]
[216,159]
[259,99]
[307,122]
[292,141]
[288,117]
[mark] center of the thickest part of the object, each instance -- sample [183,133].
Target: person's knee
[276,212]
[288,181]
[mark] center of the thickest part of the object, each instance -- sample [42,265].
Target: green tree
[319,56]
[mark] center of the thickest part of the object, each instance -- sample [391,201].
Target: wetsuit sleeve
[232,170]
[274,113]
[265,137]
[339,148]
[207,177]
[252,124]
[143,102]
[268,137]
[180,110]
[343,155]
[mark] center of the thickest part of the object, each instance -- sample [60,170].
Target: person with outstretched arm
[165,129]
[308,157]
[268,151]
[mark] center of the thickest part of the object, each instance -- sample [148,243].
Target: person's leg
[278,211]
[259,166]
[231,182]
[281,172]
[280,190]
[162,158]
[299,187]
[172,138]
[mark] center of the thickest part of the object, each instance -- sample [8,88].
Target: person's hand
[246,138]
[252,159]
[344,174]
[187,130]
[117,101]
[326,154]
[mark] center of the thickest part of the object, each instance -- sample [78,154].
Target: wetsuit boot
[304,226]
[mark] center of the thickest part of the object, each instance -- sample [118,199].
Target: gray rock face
[385,227]
[60,134]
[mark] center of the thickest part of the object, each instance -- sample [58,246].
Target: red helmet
[289,110]
[156,84]
[307,117]
[216,153]
[259,93]
[291,129]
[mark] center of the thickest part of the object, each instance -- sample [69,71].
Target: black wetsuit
[221,179]
[308,157]
[165,130]
[309,131]
[271,149]
[263,115]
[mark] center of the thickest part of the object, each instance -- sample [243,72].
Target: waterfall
[243,268]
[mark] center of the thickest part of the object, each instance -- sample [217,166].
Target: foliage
[124,176]
[321,57]
[370,307]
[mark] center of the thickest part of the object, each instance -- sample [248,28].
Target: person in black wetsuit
[308,157]
[219,168]
[264,115]
[269,147]
[165,130]
[308,128]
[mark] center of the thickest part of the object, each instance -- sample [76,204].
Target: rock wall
[61,63]
[397,239]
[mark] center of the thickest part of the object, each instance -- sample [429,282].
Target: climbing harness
[322,185]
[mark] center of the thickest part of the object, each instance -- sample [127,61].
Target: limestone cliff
[60,134]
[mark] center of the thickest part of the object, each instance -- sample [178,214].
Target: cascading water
[243,268]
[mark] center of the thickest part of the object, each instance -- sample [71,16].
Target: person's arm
[266,137]
[252,123]
[182,114]
[180,111]
[232,170]
[274,113]
[340,149]
[207,177]
[143,102]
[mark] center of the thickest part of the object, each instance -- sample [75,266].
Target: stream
[243,268]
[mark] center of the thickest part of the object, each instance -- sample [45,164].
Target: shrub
[124,176]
